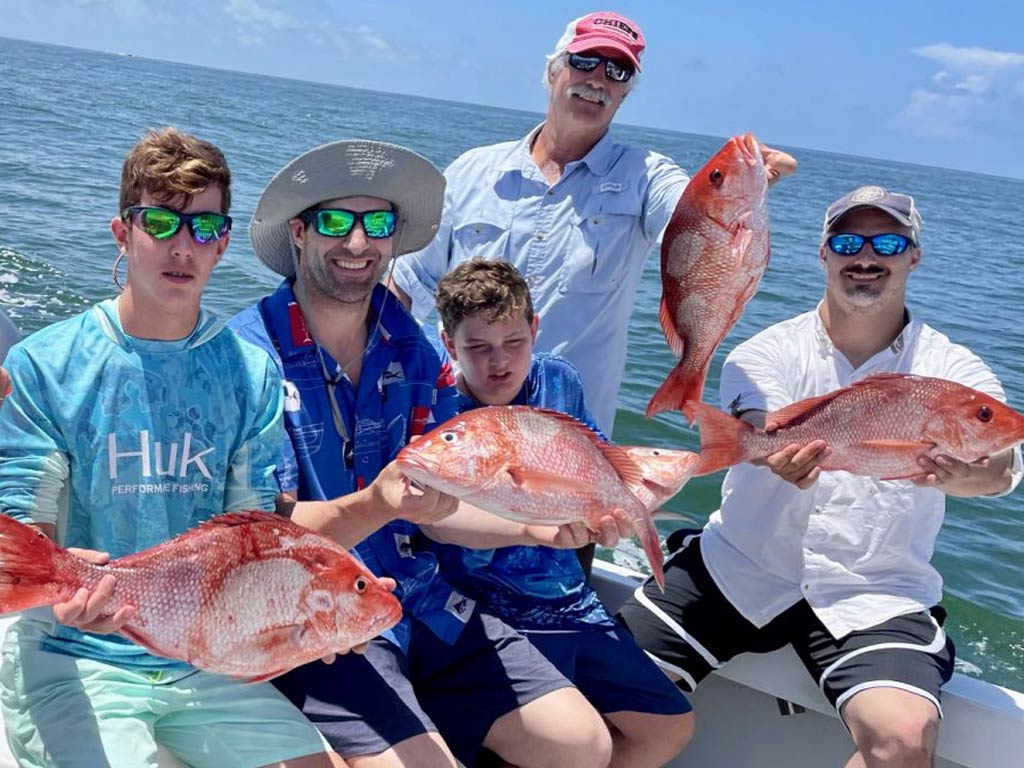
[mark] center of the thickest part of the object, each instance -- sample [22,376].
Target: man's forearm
[475,528]
[348,519]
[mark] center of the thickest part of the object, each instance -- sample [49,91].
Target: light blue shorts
[66,711]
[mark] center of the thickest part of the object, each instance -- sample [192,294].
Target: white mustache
[584,90]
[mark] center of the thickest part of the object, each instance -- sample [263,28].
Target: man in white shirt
[834,563]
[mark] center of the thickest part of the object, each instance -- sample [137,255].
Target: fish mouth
[750,149]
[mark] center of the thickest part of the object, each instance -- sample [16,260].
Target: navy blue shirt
[532,588]
[404,389]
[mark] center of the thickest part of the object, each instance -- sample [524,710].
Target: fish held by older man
[878,427]
[246,594]
[713,253]
[535,466]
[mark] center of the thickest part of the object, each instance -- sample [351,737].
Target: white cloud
[970,59]
[978,92]
[258,20]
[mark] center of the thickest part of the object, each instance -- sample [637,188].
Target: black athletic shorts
[693,629]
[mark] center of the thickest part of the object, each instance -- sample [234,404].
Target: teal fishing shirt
[532,588]
[123,443]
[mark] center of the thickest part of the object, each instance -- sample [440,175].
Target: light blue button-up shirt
[580,243]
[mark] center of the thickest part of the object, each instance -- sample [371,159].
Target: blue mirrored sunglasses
[891,244]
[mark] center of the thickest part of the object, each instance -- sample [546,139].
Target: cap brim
[348,169]
[609,46]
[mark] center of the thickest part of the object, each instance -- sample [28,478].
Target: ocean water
[68,116]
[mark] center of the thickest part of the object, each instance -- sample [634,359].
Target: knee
[681,732]
[907,742]
[588,744]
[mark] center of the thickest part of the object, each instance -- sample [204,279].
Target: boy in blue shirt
[127,425]
[489,329]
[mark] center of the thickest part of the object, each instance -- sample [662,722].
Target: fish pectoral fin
[742,237]
[278,636]
[536,481]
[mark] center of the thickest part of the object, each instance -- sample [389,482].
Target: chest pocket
[598,258]
[483,236]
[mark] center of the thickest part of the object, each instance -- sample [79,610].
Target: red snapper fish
[246,594]
[714,251]
[536,466]
[877,427]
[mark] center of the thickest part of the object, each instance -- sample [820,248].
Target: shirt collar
[388,321]
[910,331]
[598,160]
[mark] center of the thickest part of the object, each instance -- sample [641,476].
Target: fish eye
[360,585]
[985,414]
[717,177]
[449,437]
[655,452]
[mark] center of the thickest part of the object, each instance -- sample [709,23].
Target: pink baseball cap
[605,32]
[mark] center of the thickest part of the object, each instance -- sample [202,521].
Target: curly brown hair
[494,288]
[173,166]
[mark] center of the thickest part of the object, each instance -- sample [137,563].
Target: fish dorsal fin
[247,517]
[627,469]
[798,411]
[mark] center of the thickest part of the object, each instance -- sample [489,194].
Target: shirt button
[539,236]
[551,192]
[531,280]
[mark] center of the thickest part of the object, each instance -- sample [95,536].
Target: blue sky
[939,83]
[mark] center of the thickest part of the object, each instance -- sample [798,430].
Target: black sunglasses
[613,70]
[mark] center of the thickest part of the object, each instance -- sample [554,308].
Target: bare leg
[892,728]
[427,750]
[643,740]
[320,760]
[559,730]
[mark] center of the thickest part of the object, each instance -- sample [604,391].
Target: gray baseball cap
[901,207]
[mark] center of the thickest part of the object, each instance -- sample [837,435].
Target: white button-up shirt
[580,243]
[856,548]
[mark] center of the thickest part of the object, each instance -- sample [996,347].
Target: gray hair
[558,59]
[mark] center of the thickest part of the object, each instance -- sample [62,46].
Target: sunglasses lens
[379,223]
[889,245]
[334,223]
[583,63]
[846,245]
[617,72]
[159,223]
[207,227]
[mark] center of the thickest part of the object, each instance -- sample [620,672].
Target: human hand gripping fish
[248,594]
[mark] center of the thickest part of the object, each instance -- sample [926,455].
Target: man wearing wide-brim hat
[361,380]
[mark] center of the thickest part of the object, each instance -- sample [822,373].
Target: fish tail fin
[28,565]
[722,438]
[680,387]
[648,536]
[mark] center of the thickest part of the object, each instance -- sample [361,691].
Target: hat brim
[348,168]
[603,44]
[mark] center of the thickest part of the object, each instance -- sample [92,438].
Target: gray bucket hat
[346,169]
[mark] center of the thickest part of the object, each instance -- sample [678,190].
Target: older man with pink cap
[574,210]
